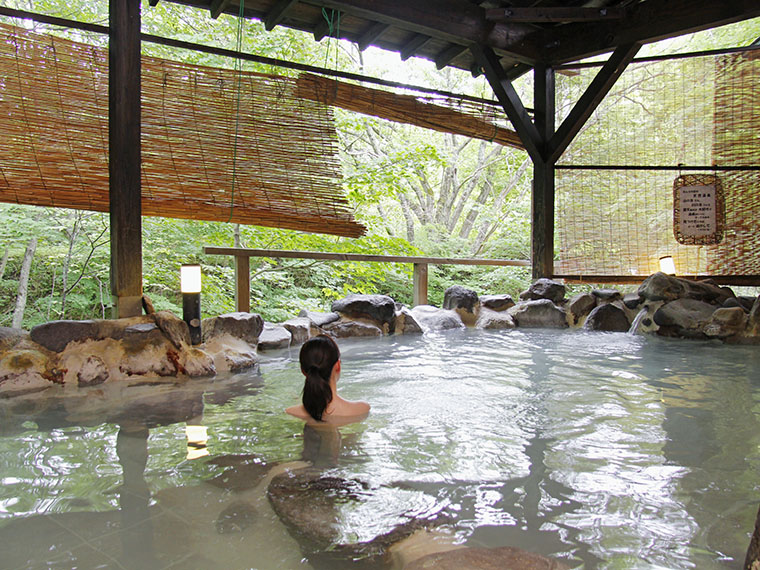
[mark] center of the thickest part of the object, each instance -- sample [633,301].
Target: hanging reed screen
[614,188]
[203,131]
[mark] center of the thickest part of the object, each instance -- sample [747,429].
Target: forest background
[418,192]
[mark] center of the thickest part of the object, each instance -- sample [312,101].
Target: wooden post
[543,176]
[419,295]
[242,283]
[124,156]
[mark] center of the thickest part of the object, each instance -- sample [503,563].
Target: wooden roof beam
[548,14]
[510,101]
[455,21]
[644,22]
[371,35]
[277,13]
[448,55]
[217,7]
[411,47]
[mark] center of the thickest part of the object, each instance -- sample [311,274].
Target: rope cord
[239,70]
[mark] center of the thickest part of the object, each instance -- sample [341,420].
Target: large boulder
[706,291]
[489,319]
[607,295]
[539,313]
[501,558]
[683,317]
[607,317]
[726,322]
[273,337]
[245,326]
[319,319]
[661,287]
[462,300]
[544,289]
[10,337]
[579,306]
[405,322]
[301,329]
[56,335]
[497,302]
[753,321]
[378,308]
[346,328]
[435,319]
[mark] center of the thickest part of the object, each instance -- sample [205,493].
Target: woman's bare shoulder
[298,411]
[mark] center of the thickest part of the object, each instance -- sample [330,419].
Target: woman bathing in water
[320,363]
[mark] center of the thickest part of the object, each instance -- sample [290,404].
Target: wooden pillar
[542,205]
[420,292]
[242,283]
[124,156]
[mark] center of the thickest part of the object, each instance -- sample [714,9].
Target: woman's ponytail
[318,357]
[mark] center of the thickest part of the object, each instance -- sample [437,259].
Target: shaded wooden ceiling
[522,33]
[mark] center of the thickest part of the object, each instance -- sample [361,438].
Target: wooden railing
[243,268]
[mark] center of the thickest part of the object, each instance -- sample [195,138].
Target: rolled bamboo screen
[54,149]
[442,114]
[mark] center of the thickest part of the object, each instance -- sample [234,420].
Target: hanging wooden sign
[699,210]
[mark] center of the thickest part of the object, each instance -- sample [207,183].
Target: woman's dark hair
[318,357]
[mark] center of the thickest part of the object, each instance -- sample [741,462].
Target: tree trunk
[3,262]
[23,284]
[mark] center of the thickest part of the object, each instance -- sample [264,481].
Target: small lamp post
[667,265]
[190,285]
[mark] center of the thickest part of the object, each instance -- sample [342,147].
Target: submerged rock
[237,517]
[502,558]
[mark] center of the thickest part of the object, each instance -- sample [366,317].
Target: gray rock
[684,317]
[458,297]
[607,295]
[501,558]
[378,308]
[539,313]
[319,319]
[93,372]
[661,287]
[544,289]
[706,291]
[746,302]
[10,337]
[435,319]
[607,317]
[141,336]
[245,326]
[174,328]
[237,517]
[732,302]
[580,306]
[489,319]
[55,335]
[753,321]
[405,322]
[497,302]
[632,300]
[273,337]
[313,505]
[349,328]
[301,329]
[726,322]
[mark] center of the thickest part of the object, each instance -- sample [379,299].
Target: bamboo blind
[201,128]
[694,111]
[447,115]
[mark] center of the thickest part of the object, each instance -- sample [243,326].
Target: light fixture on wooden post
[667,265]
[190,285]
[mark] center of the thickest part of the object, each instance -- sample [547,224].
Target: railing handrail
[332,256]
[242,257]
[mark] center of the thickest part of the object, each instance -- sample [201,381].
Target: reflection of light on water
[197,440]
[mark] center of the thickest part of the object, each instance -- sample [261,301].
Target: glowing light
[667,265]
